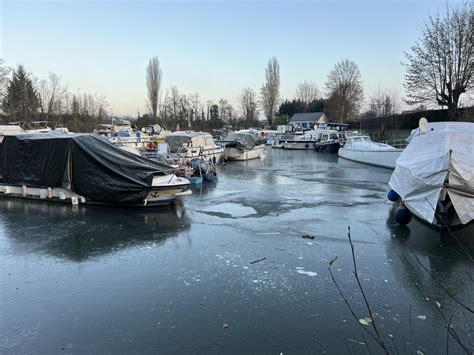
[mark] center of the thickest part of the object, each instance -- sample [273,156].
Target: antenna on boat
[423,124]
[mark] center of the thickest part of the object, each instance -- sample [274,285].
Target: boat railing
[397,143]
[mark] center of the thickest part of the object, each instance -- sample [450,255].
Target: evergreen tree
[21,102]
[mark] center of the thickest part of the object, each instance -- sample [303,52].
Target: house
[307,120]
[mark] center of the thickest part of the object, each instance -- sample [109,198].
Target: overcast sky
[214,48]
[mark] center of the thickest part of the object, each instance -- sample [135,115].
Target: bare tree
[382,103]
[307,92]
[185,109]
[271,89]
[440,66]
[102,106]
[248,104]
[173,106]
[53,97]
[76,105]
[59,94]
[229,113]
[174,101]
[89,105]
[225,110]
[195,104]
[42,89]
[54,102]
[4,74]
[153,84]
[223,106]
[344,88]
[209,104]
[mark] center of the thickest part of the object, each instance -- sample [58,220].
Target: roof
[306,117]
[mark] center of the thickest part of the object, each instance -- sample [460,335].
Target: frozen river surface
[227,270]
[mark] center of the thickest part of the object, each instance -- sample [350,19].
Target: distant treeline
[410,120]
[74,122]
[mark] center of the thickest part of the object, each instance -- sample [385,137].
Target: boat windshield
[210,141]
[360,139]
[176,142]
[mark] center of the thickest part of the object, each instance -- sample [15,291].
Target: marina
[235,177]
[183,279]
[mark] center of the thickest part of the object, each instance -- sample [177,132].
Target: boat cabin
[330,136]
[187,140]
[190,144]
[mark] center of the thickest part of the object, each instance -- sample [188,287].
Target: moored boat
[82,168]
[243,145]
[434,175]
[303,141]
[328,141]
[363,150]
[190,144]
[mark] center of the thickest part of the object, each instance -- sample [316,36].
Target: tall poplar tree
[271,89]
[153,85]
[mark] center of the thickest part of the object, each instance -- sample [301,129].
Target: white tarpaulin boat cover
[445,153]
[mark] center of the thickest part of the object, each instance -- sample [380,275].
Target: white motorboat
[243,145]
[190,144]
[434,175]
[362,149]
[14,128]
[303,141]
[10,130]
[81,168]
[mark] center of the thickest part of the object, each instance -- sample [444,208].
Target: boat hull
[298,145]
[441,220]
[277,144]
[328,147]
[162,196]
[214,156]
[383,158]
[246,154]
[157,196]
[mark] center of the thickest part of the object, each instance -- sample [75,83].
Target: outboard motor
[199,166]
